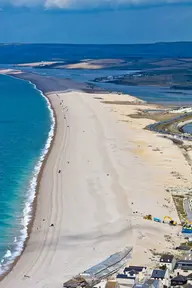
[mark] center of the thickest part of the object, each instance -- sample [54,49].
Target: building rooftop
[179,278]
[124,276]
[185,262]
[148,283]
[166,258]
[137,267]
[134,268]
[158,274]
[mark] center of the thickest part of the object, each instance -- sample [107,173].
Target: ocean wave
[18,242]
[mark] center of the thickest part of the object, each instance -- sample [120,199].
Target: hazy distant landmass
[22,53]
[159,64]
[175,73]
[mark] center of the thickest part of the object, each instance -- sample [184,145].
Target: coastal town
[168,270]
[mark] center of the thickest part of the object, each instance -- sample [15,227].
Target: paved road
[187,209]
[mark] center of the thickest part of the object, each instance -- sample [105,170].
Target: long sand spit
[110,169]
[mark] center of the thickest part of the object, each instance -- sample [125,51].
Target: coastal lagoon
[151,94]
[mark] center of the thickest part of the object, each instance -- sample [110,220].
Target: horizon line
[95,44]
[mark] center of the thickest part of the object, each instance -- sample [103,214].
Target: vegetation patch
[122,102]
[179,200]
[187,243]
[154,116]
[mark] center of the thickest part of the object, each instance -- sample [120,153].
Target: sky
[95,21]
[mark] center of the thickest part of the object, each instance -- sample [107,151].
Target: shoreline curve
[36,178]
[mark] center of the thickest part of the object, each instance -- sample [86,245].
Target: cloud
[66,4]
[89,4]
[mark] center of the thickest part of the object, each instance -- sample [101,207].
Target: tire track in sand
[55,202]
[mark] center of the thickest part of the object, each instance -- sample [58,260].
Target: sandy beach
[112,174]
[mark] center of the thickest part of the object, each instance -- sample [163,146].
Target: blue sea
[26,128]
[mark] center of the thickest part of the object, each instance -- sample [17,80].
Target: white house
[169,261]
[130,276]
[163,275]
[124,280]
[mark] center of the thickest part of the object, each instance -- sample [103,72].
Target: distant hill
[22,53]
